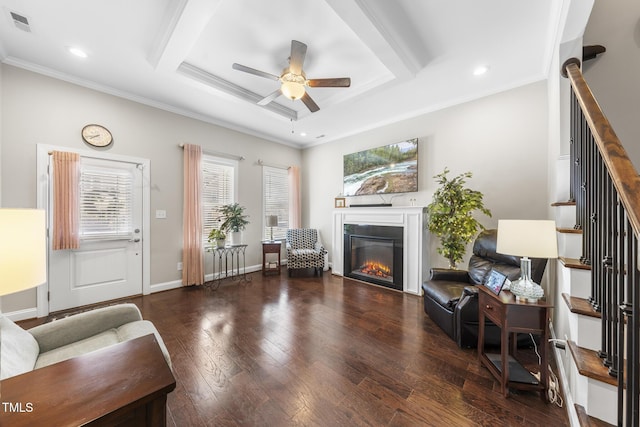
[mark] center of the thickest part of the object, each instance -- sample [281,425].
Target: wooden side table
[513,317]
[124,384]
[270,248]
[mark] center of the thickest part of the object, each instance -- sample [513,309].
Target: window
[275,194]
[106,203]
[218,189]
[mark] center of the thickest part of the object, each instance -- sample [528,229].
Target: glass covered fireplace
[373,253]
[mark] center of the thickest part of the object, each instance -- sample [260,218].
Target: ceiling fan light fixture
[293,79]
[292,85]
[292,90]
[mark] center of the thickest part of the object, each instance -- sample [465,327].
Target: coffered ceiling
[404,57]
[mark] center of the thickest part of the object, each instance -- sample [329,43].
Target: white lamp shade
[23,249]
[530,238]
[272,220]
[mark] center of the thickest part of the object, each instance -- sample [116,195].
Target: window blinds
[275,193]
[106,203]
[217,190]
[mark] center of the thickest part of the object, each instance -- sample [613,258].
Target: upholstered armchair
[304,250]
[26,350]
[451,296]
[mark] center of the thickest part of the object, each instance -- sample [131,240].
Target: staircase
[592,390]
[597,294]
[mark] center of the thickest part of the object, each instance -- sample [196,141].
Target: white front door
[108,264]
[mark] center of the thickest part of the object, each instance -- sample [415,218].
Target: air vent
[21,22]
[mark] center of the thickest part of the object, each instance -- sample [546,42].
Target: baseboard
[166,286]
[574,420]
[32,313]
[27,313]
[175,284]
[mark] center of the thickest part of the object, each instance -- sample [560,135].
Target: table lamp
[23,251]
[527,238]
[272,221]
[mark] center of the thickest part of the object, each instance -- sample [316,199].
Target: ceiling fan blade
[255,72]
[267,99]
[298,52]
[310,103]
[337,82]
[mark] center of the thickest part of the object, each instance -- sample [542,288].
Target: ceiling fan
[293,80]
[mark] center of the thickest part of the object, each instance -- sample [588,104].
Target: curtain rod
[218,153]
[88,156]
[272,165]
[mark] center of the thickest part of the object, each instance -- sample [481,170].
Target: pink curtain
[192,255]
[66,209]
[295,206]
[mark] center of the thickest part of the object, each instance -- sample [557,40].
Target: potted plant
[450,215]
[217,237]
[233,221]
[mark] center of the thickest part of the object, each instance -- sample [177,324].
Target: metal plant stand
[231,264]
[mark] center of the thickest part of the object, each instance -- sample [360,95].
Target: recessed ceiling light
[303,134]
[480,70]
[78,52]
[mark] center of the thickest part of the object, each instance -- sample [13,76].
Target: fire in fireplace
[374,254]
[375,269]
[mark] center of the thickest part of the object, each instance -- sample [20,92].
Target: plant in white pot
[234,221]
[217,237]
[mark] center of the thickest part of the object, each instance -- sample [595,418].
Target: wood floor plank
[322,351]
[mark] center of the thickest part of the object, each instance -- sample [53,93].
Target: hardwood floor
[328,351]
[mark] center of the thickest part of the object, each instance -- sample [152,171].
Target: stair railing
[606,188]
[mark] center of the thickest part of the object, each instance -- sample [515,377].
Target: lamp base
[526,290]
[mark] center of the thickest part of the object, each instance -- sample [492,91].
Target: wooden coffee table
[125,384]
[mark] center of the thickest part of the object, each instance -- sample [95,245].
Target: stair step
[565,214]
[590,365]
[580,306]
[587,421]
[568,230]
[570,245]
[567,203]
[574,263]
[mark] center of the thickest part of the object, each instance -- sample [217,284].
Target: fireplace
[373,253]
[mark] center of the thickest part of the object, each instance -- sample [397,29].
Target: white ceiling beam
[360,18]
[230,88]
[184,22]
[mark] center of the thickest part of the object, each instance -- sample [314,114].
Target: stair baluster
[606,189]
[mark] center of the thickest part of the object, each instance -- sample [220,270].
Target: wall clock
[97,135]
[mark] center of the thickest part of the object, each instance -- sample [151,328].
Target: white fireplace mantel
[410,218]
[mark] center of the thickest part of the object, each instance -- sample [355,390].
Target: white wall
[38,109]
[501,139]
[613,76]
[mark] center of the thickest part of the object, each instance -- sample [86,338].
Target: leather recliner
[451,296]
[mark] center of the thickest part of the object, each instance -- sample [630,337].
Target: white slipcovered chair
[26,350]
[304,250]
